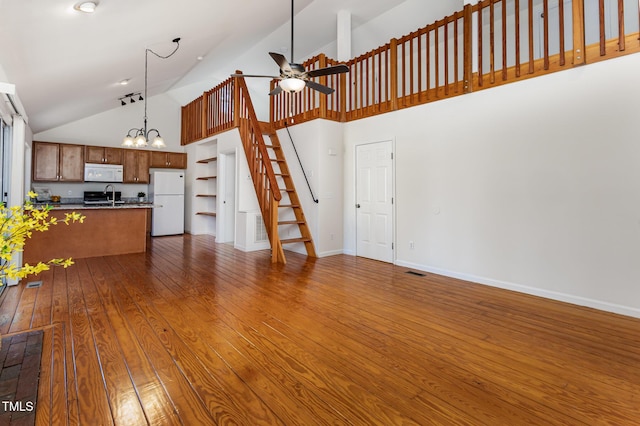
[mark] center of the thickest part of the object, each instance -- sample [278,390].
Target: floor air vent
[417,274]
[34,284]
[261,230]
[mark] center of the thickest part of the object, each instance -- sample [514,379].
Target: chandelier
[139,137]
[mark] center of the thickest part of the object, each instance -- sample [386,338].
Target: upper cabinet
[57,162]
[136,166]
[102,155]
[170,160]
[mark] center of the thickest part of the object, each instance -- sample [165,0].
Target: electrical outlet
[411,245]
[332,236]
[69,192]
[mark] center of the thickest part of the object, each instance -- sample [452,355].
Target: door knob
[357,206]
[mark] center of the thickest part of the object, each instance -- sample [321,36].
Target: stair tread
[295,240]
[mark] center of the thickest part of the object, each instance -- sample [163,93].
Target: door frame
[393,194]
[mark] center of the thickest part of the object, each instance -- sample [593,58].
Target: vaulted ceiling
[67,65]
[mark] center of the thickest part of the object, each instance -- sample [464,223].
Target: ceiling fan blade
[254,75]
[276,91]
[338,69]
[281,61]
[319,87]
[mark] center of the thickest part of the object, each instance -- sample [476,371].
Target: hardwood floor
[197,333]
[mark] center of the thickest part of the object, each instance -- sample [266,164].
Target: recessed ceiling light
[86,6]
[124,82]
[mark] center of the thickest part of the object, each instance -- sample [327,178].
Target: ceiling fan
[293,77]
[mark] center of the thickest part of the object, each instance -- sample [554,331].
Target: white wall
[320,147]
[110,127]
[532,186]
[401,20]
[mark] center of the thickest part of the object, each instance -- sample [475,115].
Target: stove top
[99,197]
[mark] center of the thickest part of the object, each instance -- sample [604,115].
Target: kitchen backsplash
[76,190]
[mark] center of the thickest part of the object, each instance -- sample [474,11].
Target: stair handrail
[255,124]
[260,165]
[313,197]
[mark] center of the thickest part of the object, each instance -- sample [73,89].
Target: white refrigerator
[166,191]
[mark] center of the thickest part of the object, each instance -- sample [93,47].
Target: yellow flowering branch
[17,224]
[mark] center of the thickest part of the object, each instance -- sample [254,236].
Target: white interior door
[227,200]
[374,201]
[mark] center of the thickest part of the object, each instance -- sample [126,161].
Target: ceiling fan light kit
[292,85]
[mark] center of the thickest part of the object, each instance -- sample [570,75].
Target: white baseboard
[548,294]
[330,253]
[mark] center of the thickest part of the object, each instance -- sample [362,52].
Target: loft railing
[491,43]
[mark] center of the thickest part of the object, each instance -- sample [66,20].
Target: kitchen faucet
[113,194]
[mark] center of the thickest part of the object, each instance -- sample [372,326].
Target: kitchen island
[106,231]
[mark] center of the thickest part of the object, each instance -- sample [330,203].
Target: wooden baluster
[393,75]
[492,46]
[480,42]
[411,73]
[456,41]
[468,48]
[428,64]
[361,87]
[603,44]
[403,75]
[530,15]
[621,35]
[561,29]
[517,35]
[419,59]
[545,8]
[236,102]
[437,59]
[203,124]
[343,96]
[369,81]
[446,57]
[503,8]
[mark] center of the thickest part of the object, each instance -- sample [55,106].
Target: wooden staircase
[290,213]
[279,202]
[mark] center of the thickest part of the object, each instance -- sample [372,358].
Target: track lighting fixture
[130,97]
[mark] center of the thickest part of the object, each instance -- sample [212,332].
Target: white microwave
[102,172]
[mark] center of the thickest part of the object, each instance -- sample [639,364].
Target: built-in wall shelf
[206,186]
[207,160]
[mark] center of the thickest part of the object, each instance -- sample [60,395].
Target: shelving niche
[205,185]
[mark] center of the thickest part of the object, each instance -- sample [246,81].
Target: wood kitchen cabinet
[102,155]
[57,162]
[168,160]
[135,166]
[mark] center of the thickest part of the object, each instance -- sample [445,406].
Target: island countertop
[81,206]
